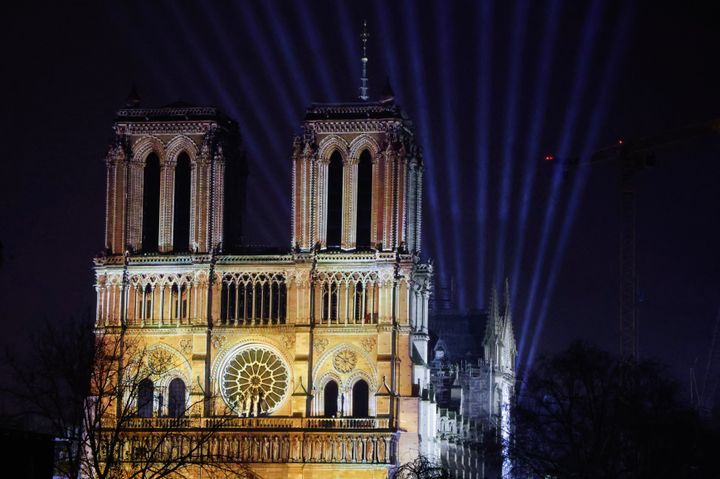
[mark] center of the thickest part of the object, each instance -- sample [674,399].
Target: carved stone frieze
[320,344]
[368,344]
[186,346]
[218,341]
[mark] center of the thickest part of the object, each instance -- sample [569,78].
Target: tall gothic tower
[327,341]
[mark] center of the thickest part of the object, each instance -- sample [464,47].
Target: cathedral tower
[175,181]
[357,179]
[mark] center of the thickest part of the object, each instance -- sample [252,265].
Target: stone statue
[296,449]
[275,449]
[246,405]
[255,404]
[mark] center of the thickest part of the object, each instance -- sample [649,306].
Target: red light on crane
[549,158]
[620,141]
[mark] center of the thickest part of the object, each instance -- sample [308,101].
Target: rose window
[256,374]
[345,360]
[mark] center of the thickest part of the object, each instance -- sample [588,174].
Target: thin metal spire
[363,79]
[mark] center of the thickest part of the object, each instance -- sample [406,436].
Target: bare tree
[420,468]
[586,414]
[88,388]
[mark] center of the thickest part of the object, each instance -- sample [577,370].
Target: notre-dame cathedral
[317,358]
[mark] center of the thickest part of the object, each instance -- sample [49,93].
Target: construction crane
[633,157]
[706,398]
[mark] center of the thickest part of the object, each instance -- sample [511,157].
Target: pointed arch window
[151,204]
[360,396]
[181,204]
[176,398]
[364,201]
[334,200]
[145,398]
[330,399]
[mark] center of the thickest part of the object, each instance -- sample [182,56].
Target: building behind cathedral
[327,341]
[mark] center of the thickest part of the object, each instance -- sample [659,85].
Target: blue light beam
[590,31]
[542,81]
[599,110]
[512,94]
[485,13]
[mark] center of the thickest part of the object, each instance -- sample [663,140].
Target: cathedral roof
[173,112]
[355,110]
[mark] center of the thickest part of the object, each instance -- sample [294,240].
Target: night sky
[491,87]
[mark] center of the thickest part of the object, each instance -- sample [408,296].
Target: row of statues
[266,448]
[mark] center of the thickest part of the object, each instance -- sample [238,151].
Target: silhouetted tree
[587,414]
[420,468]
[85,385]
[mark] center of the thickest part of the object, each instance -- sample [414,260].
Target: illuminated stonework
[308,359]
[255,381]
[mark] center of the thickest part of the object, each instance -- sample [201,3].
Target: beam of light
[227,100]
[511,101]
[608,79]
[590,30]
[261,43]
[351,43]
[260,112]
[485,12]
[388,48]
[183,80]
[320,63]
[426,140]
[546,59]
[280,34]
[446,47]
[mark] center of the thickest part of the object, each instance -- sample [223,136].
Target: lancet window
[335,200]
[176,398]
[348,298]
[253,299]
[151,204]
[364,200]
[145,394]
[159,300]
[181,204]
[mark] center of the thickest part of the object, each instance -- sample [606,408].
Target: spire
[494,308]
[507,311]
[363,79]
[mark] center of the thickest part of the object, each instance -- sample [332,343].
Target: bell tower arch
[379,198]
[174,175]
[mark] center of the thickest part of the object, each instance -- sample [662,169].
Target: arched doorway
[145,398]
[330,399]
[360,394]
[176,400]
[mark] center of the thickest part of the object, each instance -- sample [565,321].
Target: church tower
[310,361]
[175,181]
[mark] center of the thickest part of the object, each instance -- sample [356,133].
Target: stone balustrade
[275,423]
[288,447]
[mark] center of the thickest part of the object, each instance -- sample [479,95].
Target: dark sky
[491,87]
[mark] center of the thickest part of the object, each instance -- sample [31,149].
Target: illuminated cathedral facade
[310,361]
